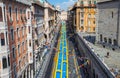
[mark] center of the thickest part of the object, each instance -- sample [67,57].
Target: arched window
[4,62]
[1,17]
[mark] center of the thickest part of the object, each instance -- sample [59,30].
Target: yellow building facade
[84,16]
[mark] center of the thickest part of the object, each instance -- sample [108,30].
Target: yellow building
[84,16]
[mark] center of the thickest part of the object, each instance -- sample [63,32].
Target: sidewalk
[112,61]
[42,69]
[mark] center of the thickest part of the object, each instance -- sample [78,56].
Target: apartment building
[26,28]
[108,29]
[84,16]
[38,29]
[49,21]
[64,15]
[14,24]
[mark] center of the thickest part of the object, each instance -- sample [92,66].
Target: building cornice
[107,1]
[38,3]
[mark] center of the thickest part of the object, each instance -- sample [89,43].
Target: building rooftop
[112,61]
[38,3]
[27,2]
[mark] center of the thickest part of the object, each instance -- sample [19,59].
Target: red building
[15,24]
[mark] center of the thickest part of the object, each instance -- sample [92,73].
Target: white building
[49,21]
[63,15]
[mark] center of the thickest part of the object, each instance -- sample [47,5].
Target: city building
[108,29]
[84,16]
[57,15]
[14,23]
[58,7]
[38,30]
[70,19]
[49,21]
[63,15]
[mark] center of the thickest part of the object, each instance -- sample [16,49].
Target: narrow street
[70,59]
[65,63]
[59,38]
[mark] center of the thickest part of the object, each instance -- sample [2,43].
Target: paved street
[72,70]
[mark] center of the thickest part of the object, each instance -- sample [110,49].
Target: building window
[23,46]
[28,15]
[6,37]
[21,14]
[82,15]
[82,21]
[115,42]
[26,44]
[10,12]
[101,37]
[12,34]
[4,14]
[1,17]
[13,52]
[8,60]
[14,68]
[20,64]
[82,28]
[93,22]
[89,15]
[89,2]
[4,62]
[89,22]
[22,31]
[2,39]
[30,43]
[32,16]
[18,34]
[81,2]
[110,41]
[29,29]
[93,28]
[95,2]
[105,40]
[18,49]
[112,14]
[16,12]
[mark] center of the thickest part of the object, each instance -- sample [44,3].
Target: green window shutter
[94,2]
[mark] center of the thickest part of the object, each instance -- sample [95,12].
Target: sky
[64,4]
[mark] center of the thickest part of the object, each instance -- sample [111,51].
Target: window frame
[4,63]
